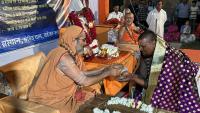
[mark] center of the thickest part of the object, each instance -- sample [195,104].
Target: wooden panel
[102,31]
[103,10]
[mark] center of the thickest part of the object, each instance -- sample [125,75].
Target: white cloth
[156,21]
[75,5]
[197,78]
[186,37]
[118,15]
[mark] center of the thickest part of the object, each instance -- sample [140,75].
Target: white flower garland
[112,51]
[146,108]
[131,103]
[94,44]
[97,110]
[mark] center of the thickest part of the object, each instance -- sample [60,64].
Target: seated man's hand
[138,80]
[125,73]
[116,69]
[125,77]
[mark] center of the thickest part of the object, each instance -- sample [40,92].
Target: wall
[103,10]
[170,6]
[27,51]
[45,47]
[102,33]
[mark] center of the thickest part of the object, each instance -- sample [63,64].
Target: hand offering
[125,78]
[125,75]
[116,69]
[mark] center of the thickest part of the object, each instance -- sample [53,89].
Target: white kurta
[118,15]
[156,21]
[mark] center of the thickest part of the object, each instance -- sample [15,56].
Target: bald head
[129,14]
[147,43]
[149,35]
[129,18]
[127,10]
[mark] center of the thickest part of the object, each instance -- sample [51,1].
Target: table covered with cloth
[111,85]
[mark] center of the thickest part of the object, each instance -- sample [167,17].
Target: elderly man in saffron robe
[172,79]
[128,35]
[63,83]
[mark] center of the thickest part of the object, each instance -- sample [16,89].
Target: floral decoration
[87,13]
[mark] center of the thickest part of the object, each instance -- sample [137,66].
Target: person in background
[193,15]
[64,83]
[182,11]
[116,14]
[172,33]
[198,14]
[128,36]
[133,6]
[129,32]
[122,22]
[113,32]
[186,36]
[197,32]
[151,5]
[142,13]
[157,18]
[126,10]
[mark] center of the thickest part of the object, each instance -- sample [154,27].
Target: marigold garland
[87,13]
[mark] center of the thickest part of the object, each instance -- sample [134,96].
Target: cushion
[11,104]
[102,33]
[21,73]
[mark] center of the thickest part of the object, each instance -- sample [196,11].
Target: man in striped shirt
[193,15]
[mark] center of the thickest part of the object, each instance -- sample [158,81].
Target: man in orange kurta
[62,83]
[129,33]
